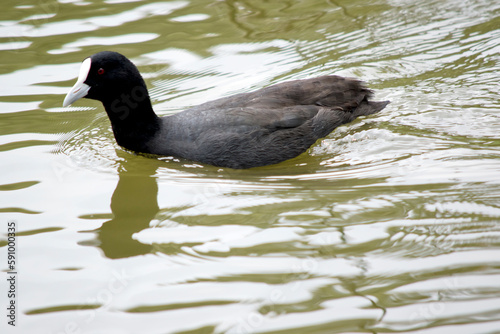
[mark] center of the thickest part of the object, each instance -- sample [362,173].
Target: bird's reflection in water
[134,205]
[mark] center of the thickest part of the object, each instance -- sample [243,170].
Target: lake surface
[391,224]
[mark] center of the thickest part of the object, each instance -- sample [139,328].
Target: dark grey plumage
[246,130]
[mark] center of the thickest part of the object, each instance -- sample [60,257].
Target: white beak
[80,89]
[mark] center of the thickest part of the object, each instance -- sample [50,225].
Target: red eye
[100,71]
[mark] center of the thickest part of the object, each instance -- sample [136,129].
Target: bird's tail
[368,108]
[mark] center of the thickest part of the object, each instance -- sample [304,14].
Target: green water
[391,224]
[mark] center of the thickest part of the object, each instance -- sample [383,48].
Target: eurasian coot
[246,130]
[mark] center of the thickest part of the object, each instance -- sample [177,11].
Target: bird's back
[266,126]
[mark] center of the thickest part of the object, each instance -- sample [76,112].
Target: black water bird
[246,130]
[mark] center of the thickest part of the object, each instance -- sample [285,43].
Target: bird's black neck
[132,118]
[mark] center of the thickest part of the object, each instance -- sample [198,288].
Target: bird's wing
[282,106]
[329,91]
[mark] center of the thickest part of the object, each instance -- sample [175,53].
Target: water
[388,225]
